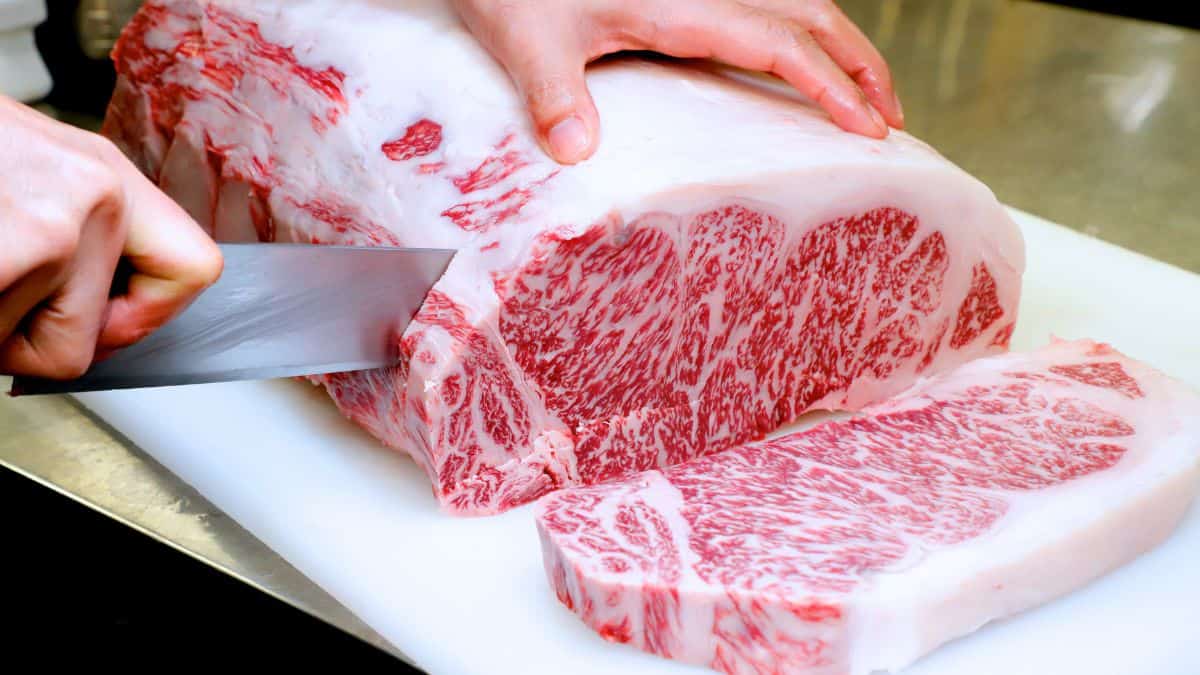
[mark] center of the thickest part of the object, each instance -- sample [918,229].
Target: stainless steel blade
[278,310]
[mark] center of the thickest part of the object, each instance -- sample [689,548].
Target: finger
[20,298]
[33,266]
[854,53]
[172,261]
[40,233]
[59,342]
[756,39]
[549,74]
[59,339]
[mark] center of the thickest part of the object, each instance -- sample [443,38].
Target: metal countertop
[1087,120]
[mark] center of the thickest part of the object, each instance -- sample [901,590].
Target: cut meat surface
[728,260]
[860,545]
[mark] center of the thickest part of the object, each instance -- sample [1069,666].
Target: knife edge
[36,386]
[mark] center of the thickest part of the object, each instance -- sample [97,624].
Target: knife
[278,310]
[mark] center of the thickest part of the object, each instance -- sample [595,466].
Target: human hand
[546,44]
[71,207]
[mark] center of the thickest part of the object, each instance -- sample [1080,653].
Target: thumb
[552,83]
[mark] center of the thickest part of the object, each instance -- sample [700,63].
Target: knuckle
[645,25]
[793,43]
[798,35]
[107,199]
[63,344]
[759,25]
[544,89]
[778,30]
[105,149]
[822,95]
[821,17]
[104,189]
[66,359]
[98,158]
[548,96]
[108,188]
[59,240]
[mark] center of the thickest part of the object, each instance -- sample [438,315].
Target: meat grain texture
[628,328]
[859,545]
[727,261]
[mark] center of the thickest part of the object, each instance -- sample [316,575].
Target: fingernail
[899,108]
[569,139]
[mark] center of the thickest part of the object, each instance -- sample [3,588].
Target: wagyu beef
[728,260]
[859,545]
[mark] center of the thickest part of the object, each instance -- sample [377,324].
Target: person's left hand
[546,44]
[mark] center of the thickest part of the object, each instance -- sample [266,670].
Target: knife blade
[277,310]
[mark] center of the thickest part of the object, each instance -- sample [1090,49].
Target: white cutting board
[467,596]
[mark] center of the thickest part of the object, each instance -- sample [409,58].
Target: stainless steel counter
[1086,120]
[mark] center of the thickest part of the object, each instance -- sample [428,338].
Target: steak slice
[862,544]
[727,261]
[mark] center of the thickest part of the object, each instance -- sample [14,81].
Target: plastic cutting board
[468,596]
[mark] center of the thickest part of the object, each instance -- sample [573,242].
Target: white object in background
[468,595]
[23,74]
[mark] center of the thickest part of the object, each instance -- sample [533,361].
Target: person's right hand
[71,207]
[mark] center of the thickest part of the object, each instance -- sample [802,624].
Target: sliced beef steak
[862,544]
[728,260]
